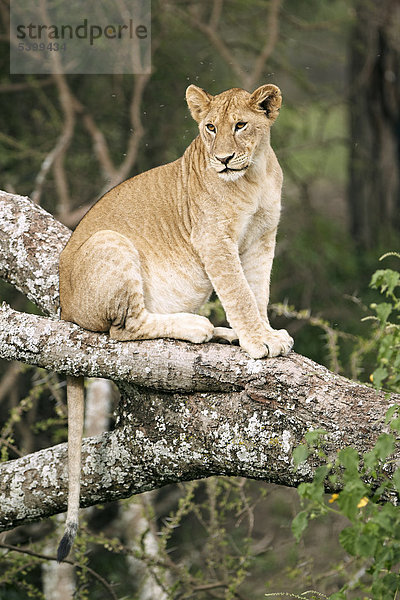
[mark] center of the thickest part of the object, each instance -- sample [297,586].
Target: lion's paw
[225,335]
[279,342]
[270,343]
[196,329]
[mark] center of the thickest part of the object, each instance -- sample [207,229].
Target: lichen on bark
[186,411]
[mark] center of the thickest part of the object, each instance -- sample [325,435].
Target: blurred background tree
[66,139]
[374,183]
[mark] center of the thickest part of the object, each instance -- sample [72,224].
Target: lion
[148,254]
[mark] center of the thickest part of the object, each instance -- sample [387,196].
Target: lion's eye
[211,127]
[240,125]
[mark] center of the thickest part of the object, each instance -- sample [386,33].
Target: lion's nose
[225,159]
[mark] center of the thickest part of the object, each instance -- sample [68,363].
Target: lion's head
[234,125]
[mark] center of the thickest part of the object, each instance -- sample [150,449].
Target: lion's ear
[267,98]
[198,102]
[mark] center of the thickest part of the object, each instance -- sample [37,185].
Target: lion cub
[150,251]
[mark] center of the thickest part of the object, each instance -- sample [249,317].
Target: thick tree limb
[30,243]
[186,411]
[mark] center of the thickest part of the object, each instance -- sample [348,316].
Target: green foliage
[366,499]
[220,532]
[42,385]
[17,577]
[308,595]
[387,328]
[82,558]
[367,496]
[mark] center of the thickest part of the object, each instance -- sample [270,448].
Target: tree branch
[186,411]
[269,46]
[30,243]
[248,79]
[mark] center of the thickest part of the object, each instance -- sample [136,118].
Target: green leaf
[383,311]
[387,587]
[390,412]
[350,496]
[347,538]
[349,459]
[313,491]
[377,278]
[304,490]
[395,424]
[333,479]
[385,280]
[388,519]
[320,475]
[384,445]
[299,524]
[300,454]
[379,376]
[396,479]
[392,280]
[367,540]
[371,460]
[315,436]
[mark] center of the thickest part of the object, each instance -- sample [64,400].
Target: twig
[10,446]
[22,86]
[272,38]
[70,562]
[216,41]
[137,130]
[247,80]
[113,174]
[9,378]
[56,156]
[215,14]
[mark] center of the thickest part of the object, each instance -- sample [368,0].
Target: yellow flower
[363,502]
[371,377]
[333,498]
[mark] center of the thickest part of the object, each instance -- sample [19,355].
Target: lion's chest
[252,224]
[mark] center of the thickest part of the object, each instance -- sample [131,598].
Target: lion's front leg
[257,265]
[257,262]
[220,257]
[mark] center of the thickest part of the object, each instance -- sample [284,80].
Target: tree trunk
[374,186]
[186,411]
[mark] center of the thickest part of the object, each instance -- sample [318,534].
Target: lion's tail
[75,397]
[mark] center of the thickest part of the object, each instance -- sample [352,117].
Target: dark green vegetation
[337,63]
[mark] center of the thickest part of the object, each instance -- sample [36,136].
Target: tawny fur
[150,251]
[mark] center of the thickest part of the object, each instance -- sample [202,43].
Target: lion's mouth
[230,170]
[229,174]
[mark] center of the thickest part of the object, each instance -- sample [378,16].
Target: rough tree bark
[186,411]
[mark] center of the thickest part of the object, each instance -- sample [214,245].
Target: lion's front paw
[279,342]
[254,347]
[271,342]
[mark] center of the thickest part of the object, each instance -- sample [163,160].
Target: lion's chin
[231,175]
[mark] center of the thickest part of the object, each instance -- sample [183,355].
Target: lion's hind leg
[108,287]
